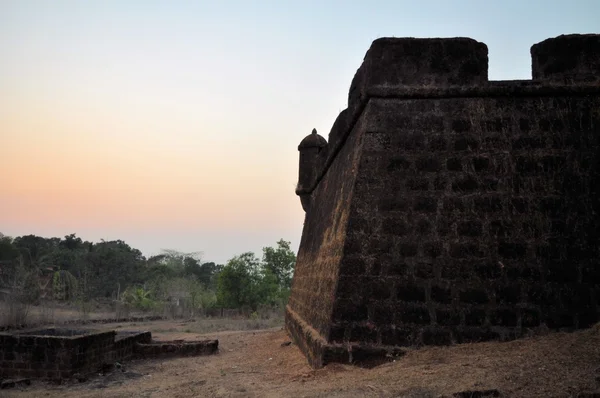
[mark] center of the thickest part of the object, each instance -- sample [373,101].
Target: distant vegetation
[36,270]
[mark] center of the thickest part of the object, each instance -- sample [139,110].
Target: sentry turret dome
[312,140]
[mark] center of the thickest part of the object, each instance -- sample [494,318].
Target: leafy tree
[8,251]
[190,265]
[156,260]
[86,270]
[36,249]
[111,266]
[237,283]
[64,285]
[20,296]
[179,261]
[280,263]
[9,256]
[190,289]
[71,242]
[194,290]
[205,273]
[208,299]
[268,288]
[246,281]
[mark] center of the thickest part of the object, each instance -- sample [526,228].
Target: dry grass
[57,314]
[46,314]
[13,313]
[214,325]
[255,364]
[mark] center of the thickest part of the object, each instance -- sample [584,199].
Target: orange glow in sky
[175,124]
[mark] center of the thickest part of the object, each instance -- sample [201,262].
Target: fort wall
[450,209]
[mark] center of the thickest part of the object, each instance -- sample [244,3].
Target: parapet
[339,128]
[457,67]
[420,62]
[567,58]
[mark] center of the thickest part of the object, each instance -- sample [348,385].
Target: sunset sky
[175,124]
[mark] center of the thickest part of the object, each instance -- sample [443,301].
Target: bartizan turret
[310,148]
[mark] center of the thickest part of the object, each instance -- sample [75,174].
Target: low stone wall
[60,353]
[53,355]
[125,343]
[164,349]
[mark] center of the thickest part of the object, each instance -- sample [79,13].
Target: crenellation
[567,58]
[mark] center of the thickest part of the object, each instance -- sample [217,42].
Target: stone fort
[446,208]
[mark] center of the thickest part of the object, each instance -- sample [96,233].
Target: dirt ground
[259,364]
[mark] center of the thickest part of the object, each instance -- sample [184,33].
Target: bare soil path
[259,364]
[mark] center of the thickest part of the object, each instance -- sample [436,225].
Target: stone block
[567,58]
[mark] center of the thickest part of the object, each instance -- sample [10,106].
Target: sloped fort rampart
[446,208]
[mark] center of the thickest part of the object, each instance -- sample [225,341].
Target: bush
[138,298]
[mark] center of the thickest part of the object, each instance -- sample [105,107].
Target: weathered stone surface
[450,214]
[54,353]
[406,62]
[567,57]
[60,353]
[165,349]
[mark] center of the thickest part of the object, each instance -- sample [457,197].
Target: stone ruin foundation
[56,354]
[446,208]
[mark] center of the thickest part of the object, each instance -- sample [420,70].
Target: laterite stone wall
[470,228]
[58,356]
[61,353]
[452,209]
[165,349]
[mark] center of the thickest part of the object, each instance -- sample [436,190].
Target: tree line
[69,269]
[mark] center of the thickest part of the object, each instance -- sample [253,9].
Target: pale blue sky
[175,124]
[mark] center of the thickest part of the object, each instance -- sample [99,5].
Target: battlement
[567,59]
[413,68]
[446,208]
